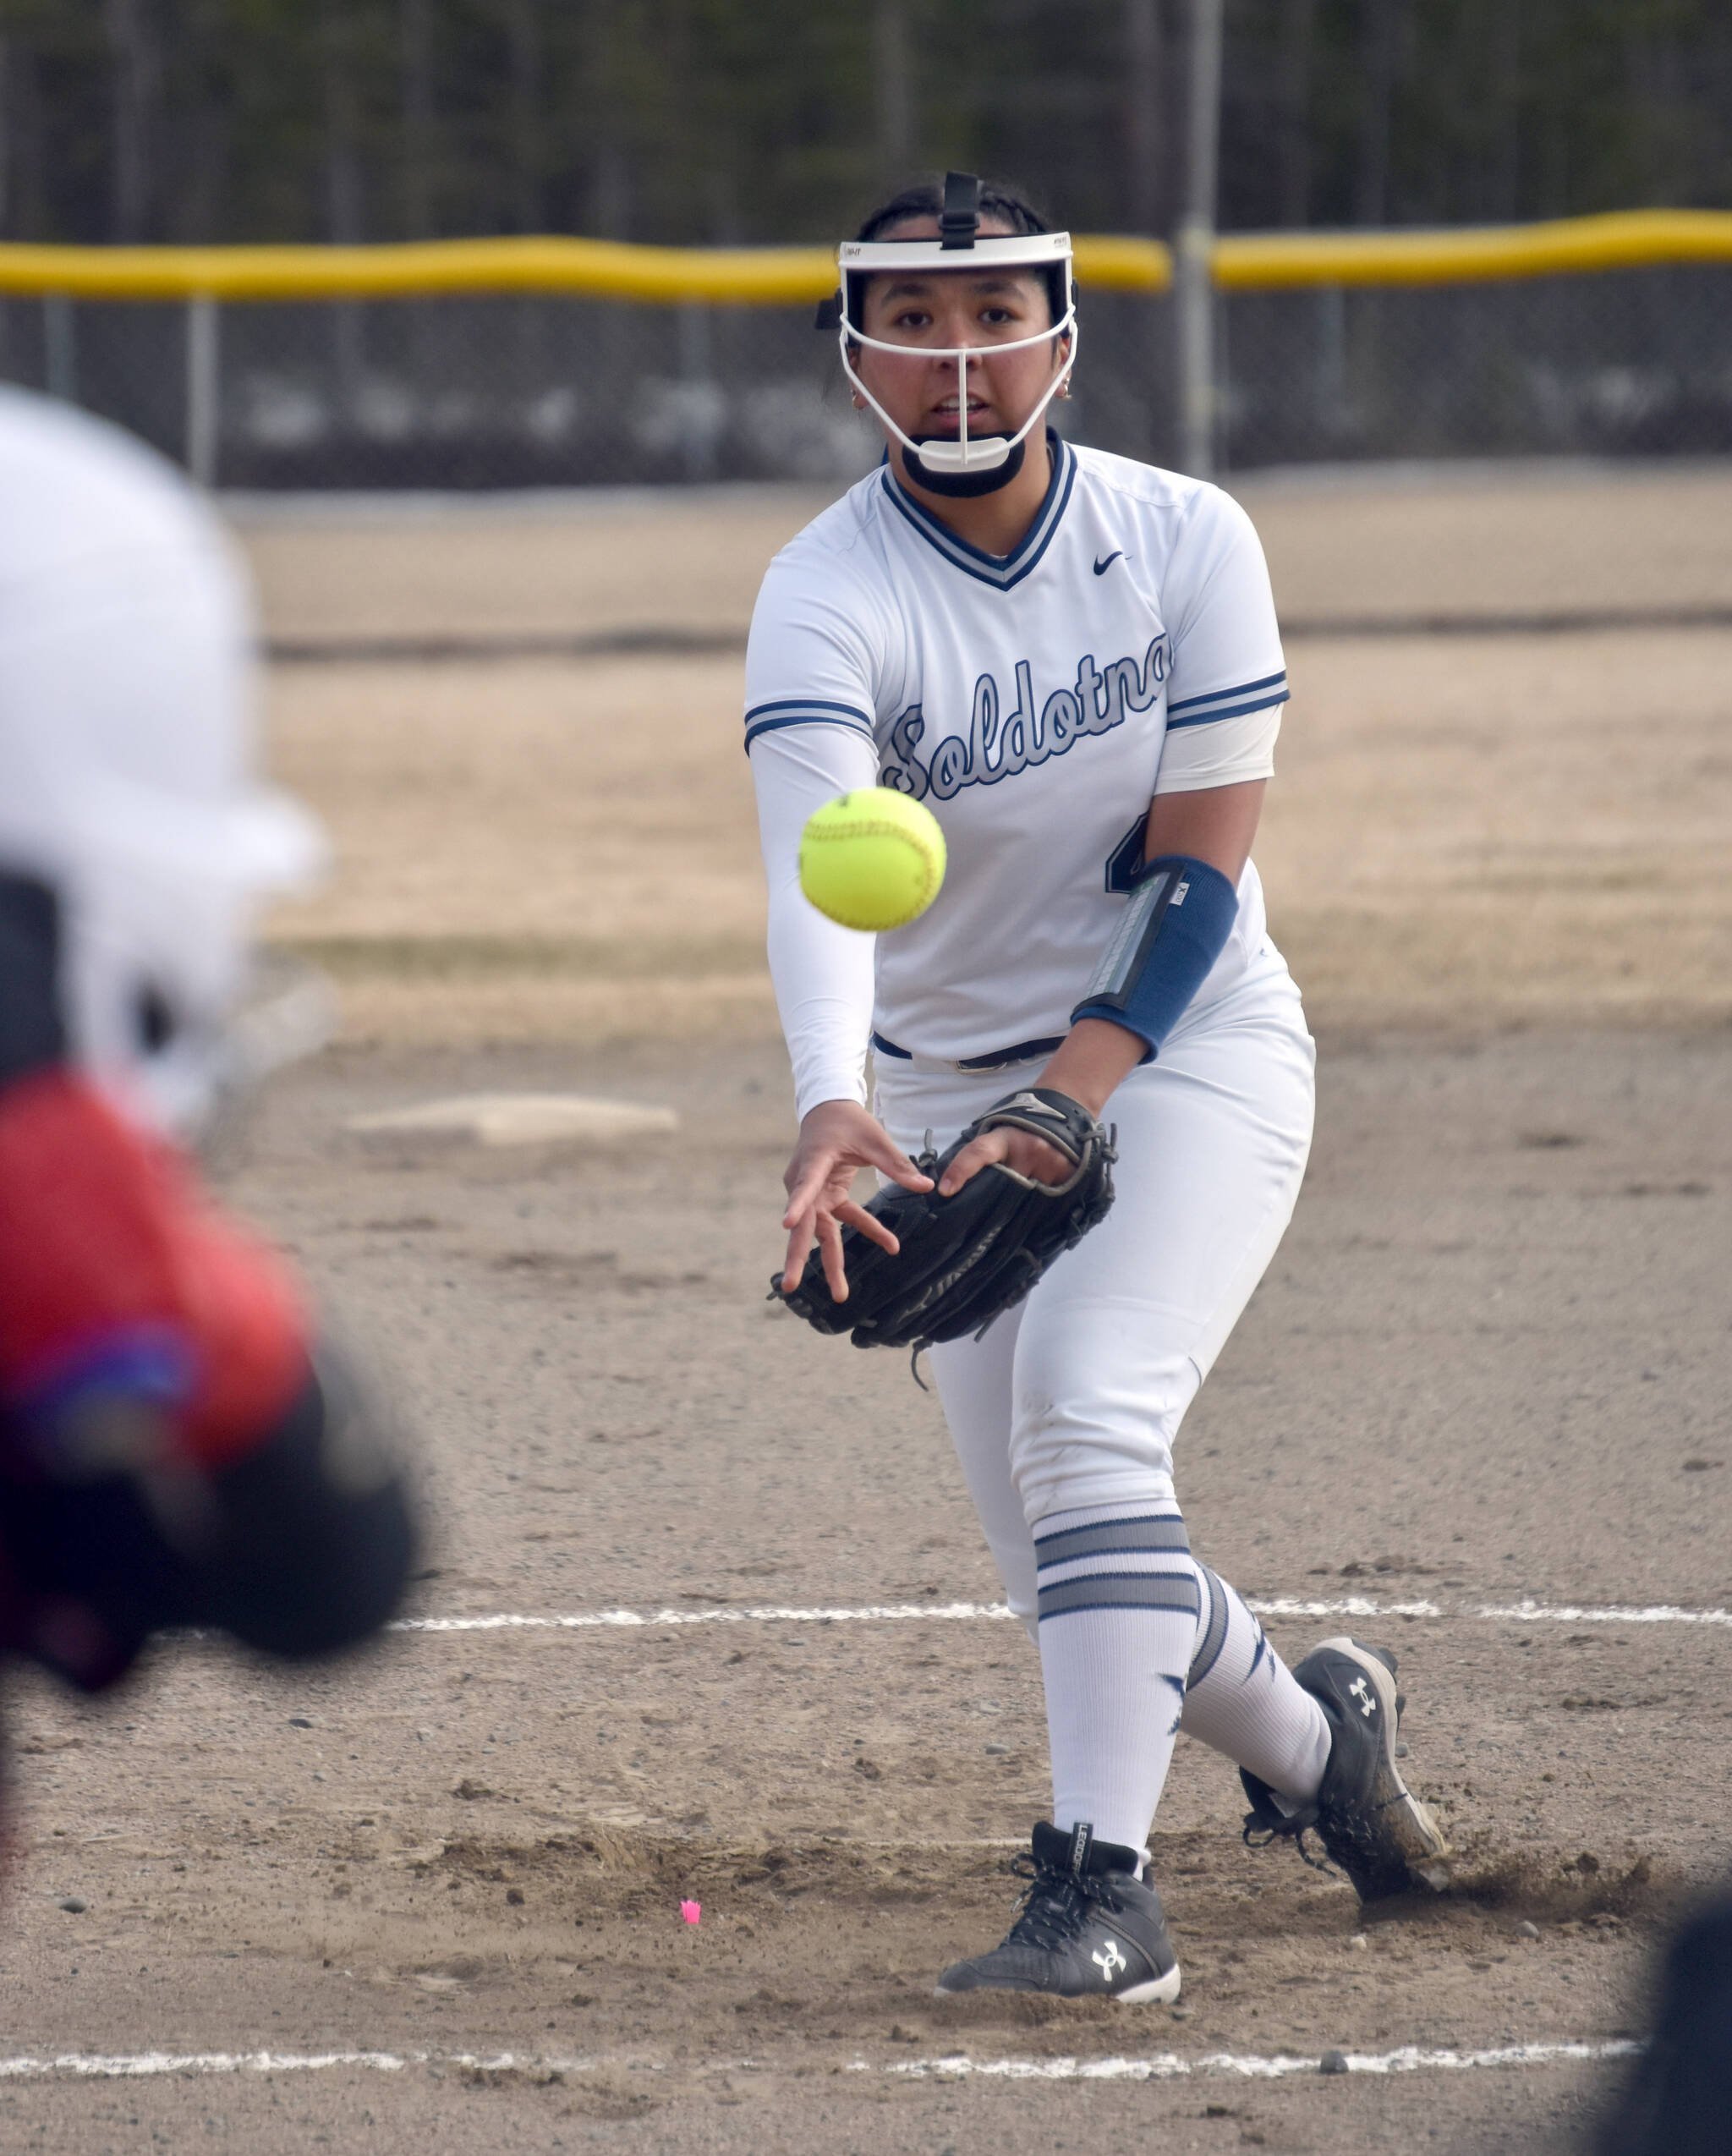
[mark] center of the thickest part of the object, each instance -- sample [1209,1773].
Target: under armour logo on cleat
[1109,1961]
[1360,1691]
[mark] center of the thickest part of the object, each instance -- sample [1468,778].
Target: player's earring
[859,402]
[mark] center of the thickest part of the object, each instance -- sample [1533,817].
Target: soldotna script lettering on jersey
[997,747]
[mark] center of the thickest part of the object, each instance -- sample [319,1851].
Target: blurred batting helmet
[128,781]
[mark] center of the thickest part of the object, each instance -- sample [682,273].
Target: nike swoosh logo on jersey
[1101,568]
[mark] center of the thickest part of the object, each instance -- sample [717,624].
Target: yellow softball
[872,858]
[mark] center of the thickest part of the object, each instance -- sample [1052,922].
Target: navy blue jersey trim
[883,1047]
[1002,572]
[805,704]
[1237,688]
[1232,711]
[802,713]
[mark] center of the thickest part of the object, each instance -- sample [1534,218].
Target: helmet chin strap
[963,485]
[962,466]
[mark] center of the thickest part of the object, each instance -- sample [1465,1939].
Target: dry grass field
[1477,1411]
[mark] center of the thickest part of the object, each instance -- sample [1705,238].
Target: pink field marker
[691,1910]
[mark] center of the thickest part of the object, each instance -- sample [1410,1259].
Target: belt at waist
[999,1059]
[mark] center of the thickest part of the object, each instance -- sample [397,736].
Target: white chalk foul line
[881,1613]
[593,1620]
[1169,2066]
[1525,1612]
[1565,1613]
[142,2065]
[1166,2065]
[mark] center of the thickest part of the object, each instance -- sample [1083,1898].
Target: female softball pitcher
[1072,660]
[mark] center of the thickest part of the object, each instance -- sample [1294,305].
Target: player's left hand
[1018,1150]
[837,1138]
[1094,1057]
[938,1266]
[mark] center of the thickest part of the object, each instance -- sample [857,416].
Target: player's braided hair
[998,200]
[1001,201]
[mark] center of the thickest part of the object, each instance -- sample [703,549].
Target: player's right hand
[837,1139]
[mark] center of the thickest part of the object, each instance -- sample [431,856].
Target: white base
[522,1118]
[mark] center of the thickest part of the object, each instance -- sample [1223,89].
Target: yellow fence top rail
[1622,239]
[793,276]
[601,268]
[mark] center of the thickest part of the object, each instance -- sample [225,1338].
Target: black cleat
[1366,1817]
[1088,1928]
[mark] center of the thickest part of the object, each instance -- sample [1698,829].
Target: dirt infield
[1500,540]
[1479,1373]
[1464,831]
[1477,1412]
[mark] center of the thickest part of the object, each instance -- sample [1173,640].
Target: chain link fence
[467,393]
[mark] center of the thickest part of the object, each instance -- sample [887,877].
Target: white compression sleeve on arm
[822,973]
[1221,752]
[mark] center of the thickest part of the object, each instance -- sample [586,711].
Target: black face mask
[963,486]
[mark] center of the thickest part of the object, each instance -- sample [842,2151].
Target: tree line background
[757,121]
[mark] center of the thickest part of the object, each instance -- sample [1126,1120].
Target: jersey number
[1126,856]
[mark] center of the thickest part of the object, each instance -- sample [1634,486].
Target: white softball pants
[1075,1397]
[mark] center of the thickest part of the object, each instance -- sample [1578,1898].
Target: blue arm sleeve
[1175,928]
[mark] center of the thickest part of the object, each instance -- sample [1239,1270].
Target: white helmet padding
[127,751]
[1038,251]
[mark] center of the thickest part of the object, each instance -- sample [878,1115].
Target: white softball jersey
[1035,703]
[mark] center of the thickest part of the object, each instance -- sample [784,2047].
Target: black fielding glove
[966,1259]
